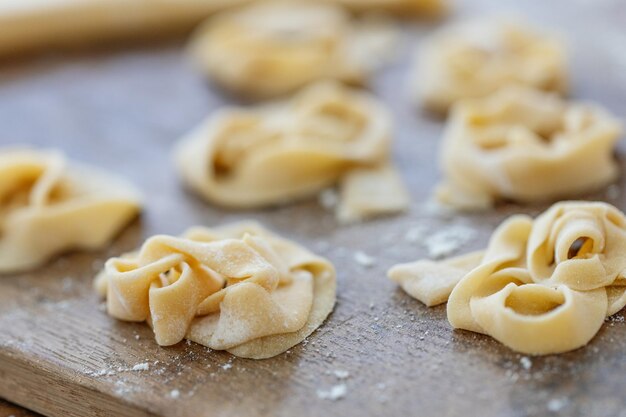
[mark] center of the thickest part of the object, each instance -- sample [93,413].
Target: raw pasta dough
[238,288]
[273,48]
[399,7]
[542,286]
[48,206]
[290,150]
[39,24]
[476,58]
[525,145]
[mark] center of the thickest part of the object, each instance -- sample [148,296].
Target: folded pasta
[238,288]
[290,150]
[525,145]
[542,286]
[48,206]
[475,58]
[272,48]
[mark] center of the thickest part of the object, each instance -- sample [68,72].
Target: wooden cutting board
[61,355]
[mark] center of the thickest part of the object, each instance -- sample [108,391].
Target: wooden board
[61,355]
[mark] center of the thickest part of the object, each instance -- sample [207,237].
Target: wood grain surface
[122,109]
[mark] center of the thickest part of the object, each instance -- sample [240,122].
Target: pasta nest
[239,288]
[273,48]
[293,149]
[525,145]
[542,286]
[48,206]
[475,58]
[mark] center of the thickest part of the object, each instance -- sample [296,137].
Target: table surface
[122,109]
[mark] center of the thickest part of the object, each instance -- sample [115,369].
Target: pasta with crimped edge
[238,288]
[542,286]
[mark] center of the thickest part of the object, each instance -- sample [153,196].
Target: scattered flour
[175,393]
[141,367]
[445,242]
[341,374]
[337,392]
[364,259]
[415,234]
[557,404]
[227,366]
[526,362]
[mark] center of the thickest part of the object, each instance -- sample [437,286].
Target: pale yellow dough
[238,288]
[425,8]
[273,48]
[27,25]
[475,58]
[525,145]
[542,286]
[48,206]
[290,150]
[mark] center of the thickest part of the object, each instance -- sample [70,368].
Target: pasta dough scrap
[399,7]
[273,48]
[542,286]
[238,288]
[48,206]
[476,58]
[525,145]
[294,149]
[29,25]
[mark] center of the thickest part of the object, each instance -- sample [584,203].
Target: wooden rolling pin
[30,25]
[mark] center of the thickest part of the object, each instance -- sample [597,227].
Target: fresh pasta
[285,151]
[527,146]
[238,288]
[475,58]
[49,205]
[542,286]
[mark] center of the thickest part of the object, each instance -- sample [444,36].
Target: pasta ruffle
[476,58]
[48,206]
[542,286]
[525,145]
[274,48]
[282,152]
[238,288]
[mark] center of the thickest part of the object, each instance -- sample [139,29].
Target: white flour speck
[141,367]
[526,362]
[175,393]
[341,374]
[364,259]
[337,392]
[557,404]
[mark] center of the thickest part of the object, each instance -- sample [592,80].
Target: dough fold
[472,59]
[273,48]
[276,153]
[48,206]
[525,145]
[542,286]
[239,288]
